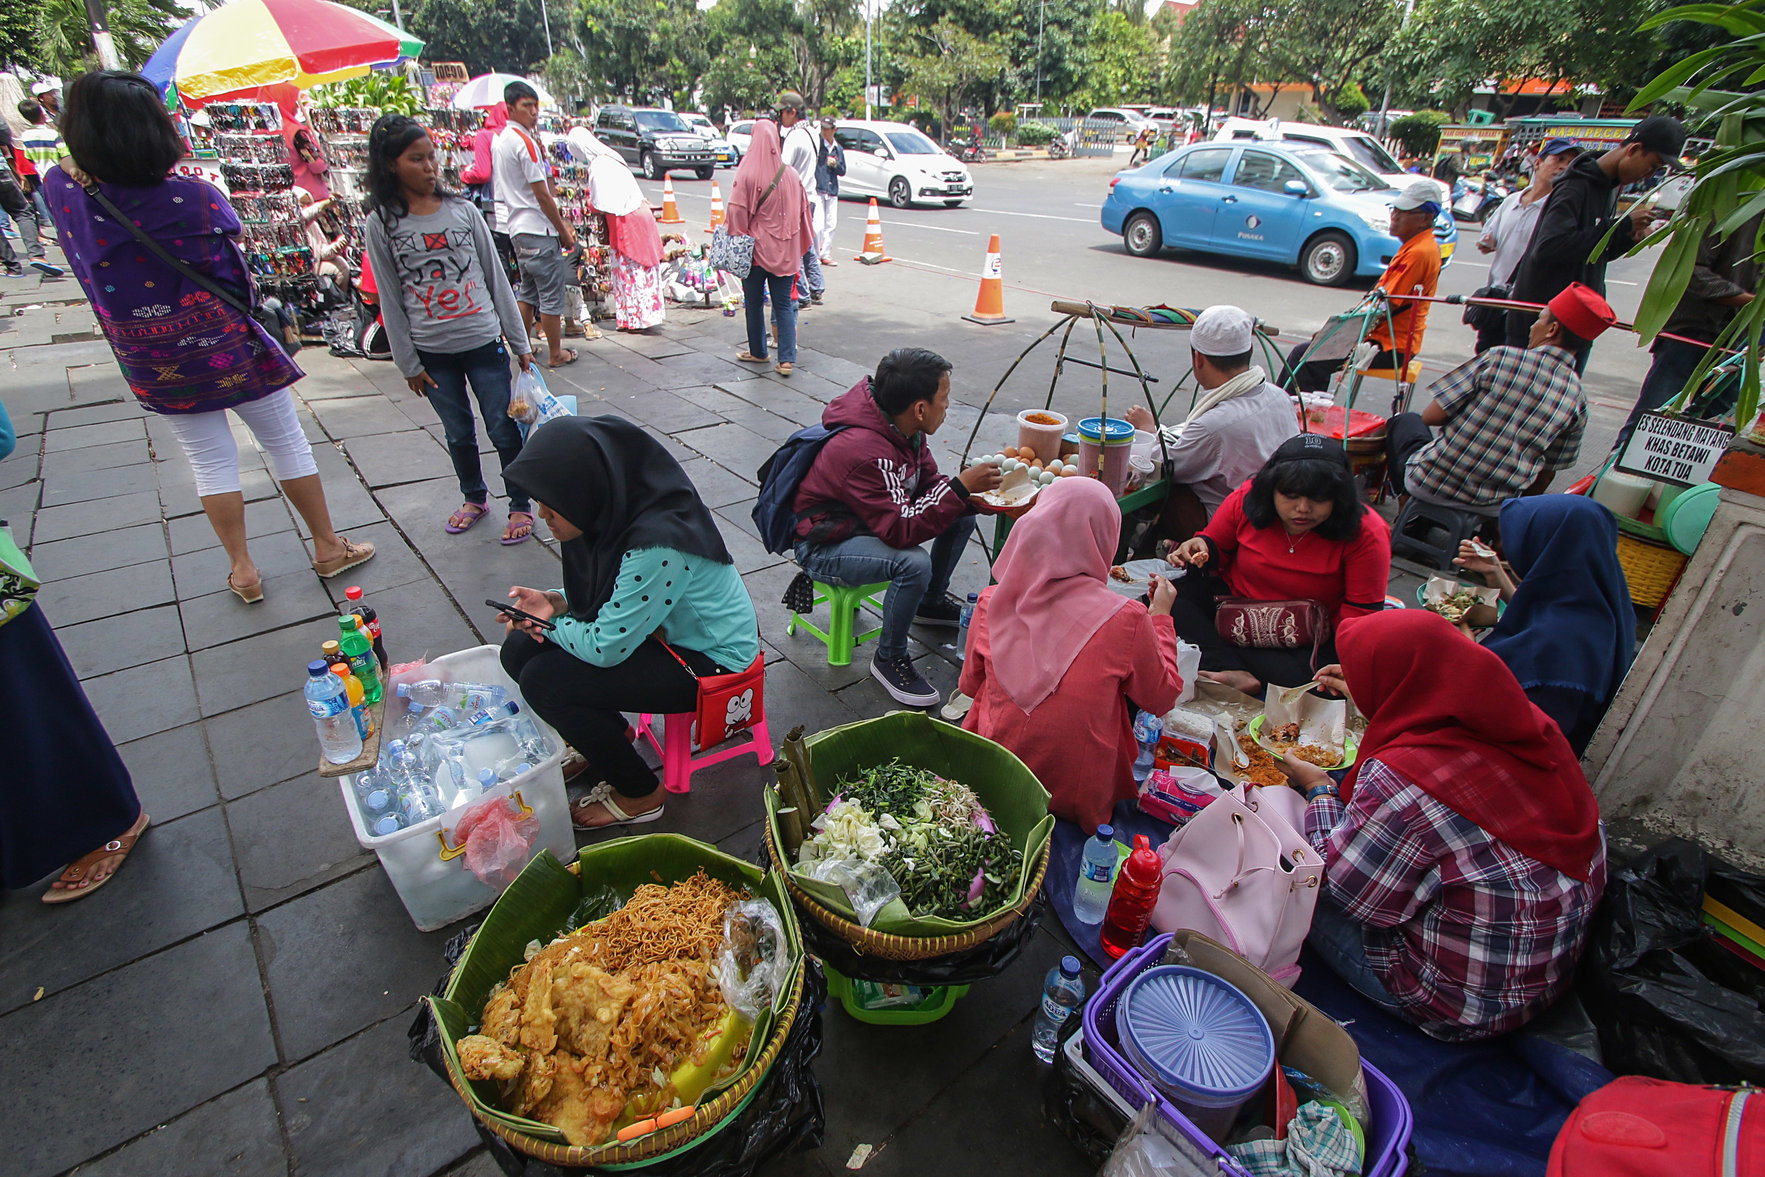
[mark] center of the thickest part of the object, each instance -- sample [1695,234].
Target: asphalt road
[1046,215]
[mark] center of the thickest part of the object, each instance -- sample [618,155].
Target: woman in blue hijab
[1570,630]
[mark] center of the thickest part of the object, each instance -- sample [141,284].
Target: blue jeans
[1673,366]
[754,290]
[486,369]
[813,282]
[914,575]
[1337,939]
[43,217]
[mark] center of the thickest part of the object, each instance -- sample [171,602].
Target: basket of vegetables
[907,838]
[625,1008]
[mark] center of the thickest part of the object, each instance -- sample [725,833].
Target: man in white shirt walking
[1508,232]
[800,155]
[527,211]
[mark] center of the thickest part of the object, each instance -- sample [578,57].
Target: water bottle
[1096,870]
[967,614]
[339,740]
[1147,728]
[439,720]
[477,696]
[429,692]
[485,715]
[374,800]
[1063,993]
[1132,900]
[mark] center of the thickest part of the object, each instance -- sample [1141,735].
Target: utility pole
[867,4]
[101,39]
[397,16]
[1041,26]
[544,18]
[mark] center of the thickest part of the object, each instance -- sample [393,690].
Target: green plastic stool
[842,604]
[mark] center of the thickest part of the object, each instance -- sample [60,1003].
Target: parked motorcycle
[1475,203]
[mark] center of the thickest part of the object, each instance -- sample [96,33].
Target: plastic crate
[430,878]
[1387,1133]
[938,1002]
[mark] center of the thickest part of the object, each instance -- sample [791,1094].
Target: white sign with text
[1679,450]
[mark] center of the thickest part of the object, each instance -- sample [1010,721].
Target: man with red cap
[1509,418]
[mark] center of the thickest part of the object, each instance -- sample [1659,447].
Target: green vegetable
[889,788]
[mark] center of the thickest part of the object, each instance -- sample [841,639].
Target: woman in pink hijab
[767,203]
[1054,656]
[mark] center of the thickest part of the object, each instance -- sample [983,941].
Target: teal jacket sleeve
[637,607]
[8,438]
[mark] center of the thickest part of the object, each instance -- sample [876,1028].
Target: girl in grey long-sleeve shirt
[452,311]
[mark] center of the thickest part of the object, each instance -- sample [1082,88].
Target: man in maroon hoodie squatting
[874,495]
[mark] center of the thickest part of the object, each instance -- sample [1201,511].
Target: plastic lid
[1197,1033]
[395,748]
[486,777]
[1069,966]
[318,668]
[1114,429]
[338,669]
[1688,516]
[331,647]
[514,707]
[415,707]
[1143,866]
[1106,833]
[386,825]
[353,592]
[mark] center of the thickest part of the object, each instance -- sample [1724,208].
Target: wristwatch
[1316,791]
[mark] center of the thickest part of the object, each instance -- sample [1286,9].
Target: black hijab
[616,484]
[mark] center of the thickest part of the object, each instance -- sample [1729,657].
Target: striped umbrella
[250,43]
[487,90]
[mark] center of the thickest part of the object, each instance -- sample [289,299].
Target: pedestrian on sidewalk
[42,147]
[67,797]
[162,292]
[454,311]
[1508,232]
[799,146]
[632,235]
[830,165]
[18,207]
[767,205]
[527,210]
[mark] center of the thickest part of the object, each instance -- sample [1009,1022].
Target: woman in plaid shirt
[1463,854]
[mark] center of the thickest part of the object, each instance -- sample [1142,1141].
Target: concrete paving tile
[204,571]
[190,1021]
[358,929]
[237,1135]
[123,408]
[363,1109]
[171,772]
[360,416]
[193,533]
[107,594]
[832,367]
[19,506]
[479,1164]
[76,519]
[97,484]
[742,515]
[218,618]
[293,837]
[82,436]
[716,485]
[21,467]
[768,424]
[98,457]
[730,446]
[725,798]
[180,882]
[706,368]
[747,552]
[68,558]
[793,698]
[387,459]
[121,640]
[256,668]
[710,396]
[420,620]
[666,412]
[775,398]
[143,700]
[394,562]
[650,344]
[350,504]
[263,744]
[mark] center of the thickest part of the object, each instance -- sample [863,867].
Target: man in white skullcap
[1240,419]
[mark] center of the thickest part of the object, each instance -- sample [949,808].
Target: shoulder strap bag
[262,316]
[733,253]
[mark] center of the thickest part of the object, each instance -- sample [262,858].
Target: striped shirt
[1512,413]
[1470,936]
[42,146]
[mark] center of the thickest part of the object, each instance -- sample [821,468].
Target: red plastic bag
[498,840]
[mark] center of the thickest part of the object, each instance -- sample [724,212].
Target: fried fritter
[486,1058]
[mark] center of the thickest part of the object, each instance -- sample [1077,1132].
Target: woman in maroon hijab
[767,204]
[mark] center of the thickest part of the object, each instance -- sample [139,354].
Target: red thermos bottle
[1132,901]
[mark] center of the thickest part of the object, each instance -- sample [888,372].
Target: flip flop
[784,369]
[353,554]
[569,351]
[746,357]
[602,795]
[507,539]
[251,594]
[455,527]
[85,864]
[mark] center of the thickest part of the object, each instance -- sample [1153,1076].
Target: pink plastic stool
[737,702]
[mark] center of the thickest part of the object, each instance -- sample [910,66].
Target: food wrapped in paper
[1313,728]
[1453,600]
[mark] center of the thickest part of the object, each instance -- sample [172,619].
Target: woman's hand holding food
[1474,557]
[1164,595]
[1304,775]
[1330,678]
[1191,552]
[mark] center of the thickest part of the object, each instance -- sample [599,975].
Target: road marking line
[1080,204]
[999,212]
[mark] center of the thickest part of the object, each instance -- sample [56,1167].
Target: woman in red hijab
[767,203]
[1054,655]
[1463,853]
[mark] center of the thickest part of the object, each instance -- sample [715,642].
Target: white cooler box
[438,890]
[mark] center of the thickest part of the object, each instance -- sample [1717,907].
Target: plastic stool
[682,731]
[1459,524]
[842,604]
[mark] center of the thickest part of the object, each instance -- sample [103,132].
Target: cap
[828,122]
[791,100]
[353,592]
[1417,194]
[1222,331]
[1106,833]
[1661,134]
[1069,965]
[1557,146]
[46,86]
[1310,445]
[1580,309]
[318,668]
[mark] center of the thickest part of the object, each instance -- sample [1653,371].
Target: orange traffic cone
[989,308]
[670,211]
[873,242]
[716,208]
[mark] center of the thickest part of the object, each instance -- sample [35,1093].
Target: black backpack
[774,511]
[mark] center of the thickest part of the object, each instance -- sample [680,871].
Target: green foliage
[18,34]
[504,36]
[64,35]
[1120,62]
[1031,133]
[760,47]
[643,49]
[950,64]
[388,93]
[1419,132]
[1349,102]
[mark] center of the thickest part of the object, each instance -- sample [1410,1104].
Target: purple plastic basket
[1387,1133]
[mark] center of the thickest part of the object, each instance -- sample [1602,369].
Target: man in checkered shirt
[1509,418]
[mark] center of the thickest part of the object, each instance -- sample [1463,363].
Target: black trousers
[1404,435]
[1314,375]
[585,702]
[1193,616]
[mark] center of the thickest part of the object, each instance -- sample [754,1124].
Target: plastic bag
[530,402]
[1089,1120]
[754,963]
[1189,667]
[1669,1001]
[989,958]
[498,840]
[868,886]
[1152,1147]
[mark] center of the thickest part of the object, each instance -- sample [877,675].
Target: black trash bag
[1668,1000]
[987,959]
[1083,1116]
[784,1115]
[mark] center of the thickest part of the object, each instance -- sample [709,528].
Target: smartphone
[518,614]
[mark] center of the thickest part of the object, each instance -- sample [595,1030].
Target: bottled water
[486,715]
[1063,993]
[1147,728]
[374,798]
[328,701]
[967,615]
[439,720]
[428,693]
[477,696]
[1096,876]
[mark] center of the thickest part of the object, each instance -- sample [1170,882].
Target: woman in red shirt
[1054,656]
[1296,531]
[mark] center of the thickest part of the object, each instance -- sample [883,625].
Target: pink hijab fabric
[1053,593]
[781,228]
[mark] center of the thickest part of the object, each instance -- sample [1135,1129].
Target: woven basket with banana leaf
[808,775]
[549,898]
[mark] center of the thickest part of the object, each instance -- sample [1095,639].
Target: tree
[64,35]
[569,79]
[1119,61]
[18,34]
[1218,50]
[644,49]
[953,61]
[505,36]
[760,47]
[1327,43]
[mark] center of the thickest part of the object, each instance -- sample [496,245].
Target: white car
[1359,146]
[740,135]
[728,155]
[896,162]
[1125,124]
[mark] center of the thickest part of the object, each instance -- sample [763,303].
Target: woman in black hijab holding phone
[650,601]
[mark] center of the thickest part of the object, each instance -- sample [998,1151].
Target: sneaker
[47,269]
[14,270]
[945,611]
[901,680]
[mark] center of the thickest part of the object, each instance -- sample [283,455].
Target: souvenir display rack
[247,137]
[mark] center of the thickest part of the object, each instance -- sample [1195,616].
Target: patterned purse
[1272,625]
[733,253]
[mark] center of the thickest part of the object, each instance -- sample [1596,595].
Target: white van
[1359,146]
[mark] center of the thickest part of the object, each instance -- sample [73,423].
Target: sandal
[526,529]
[77,872]
[460,521]
[748,357]
[353,554]
[602,795]
[571,358]
[251,594]
[785,369]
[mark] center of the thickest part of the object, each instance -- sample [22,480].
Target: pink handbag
[1241,874]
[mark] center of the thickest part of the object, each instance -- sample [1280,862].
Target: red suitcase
[1637,1127]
